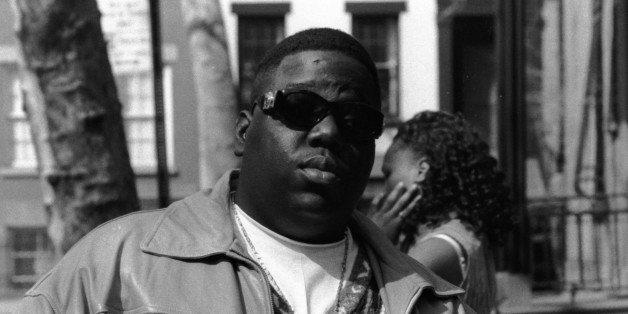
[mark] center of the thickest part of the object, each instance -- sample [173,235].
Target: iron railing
[579,243]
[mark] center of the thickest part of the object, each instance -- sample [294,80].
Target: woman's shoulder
[460,232]
[440,256]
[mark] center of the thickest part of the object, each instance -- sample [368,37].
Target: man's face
[316,175]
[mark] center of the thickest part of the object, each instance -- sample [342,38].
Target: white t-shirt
[308,275]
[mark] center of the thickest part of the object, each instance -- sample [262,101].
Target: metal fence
[579,243]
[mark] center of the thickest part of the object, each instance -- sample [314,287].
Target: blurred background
[544,81]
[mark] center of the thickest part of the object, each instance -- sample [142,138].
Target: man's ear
[242,125]
[422,169]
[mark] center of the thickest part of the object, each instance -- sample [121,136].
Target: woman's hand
[388,211]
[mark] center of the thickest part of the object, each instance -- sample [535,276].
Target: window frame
[17,115]
[249,12]
[132,114]
[19,120]
[42,254]
[388,13]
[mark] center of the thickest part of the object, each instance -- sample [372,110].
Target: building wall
[417,40]
[184,133]
[21,202]
[418,58]
[20,192]
[20,195]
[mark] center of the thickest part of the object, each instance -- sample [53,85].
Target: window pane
[379,36]
[122,83]
[29,254]
[22,131]
[24,240]
[372,32]
[23,148]
[18,99]
[24,266]
[141,141]
[255,36]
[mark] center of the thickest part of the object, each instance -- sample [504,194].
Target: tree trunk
[217,106]
[76,117]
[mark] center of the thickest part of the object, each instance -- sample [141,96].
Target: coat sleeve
[35,304]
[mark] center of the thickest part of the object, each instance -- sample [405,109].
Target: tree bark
[217,105]
[76,116]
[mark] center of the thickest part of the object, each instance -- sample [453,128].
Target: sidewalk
[8,305]
[584,302]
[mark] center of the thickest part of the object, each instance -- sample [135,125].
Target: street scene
[314,156]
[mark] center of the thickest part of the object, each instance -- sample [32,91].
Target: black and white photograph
[314,156]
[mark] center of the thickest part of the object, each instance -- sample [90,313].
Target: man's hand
[388,211]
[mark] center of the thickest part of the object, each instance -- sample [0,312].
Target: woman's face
[400,165]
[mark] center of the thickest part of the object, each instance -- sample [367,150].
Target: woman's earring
[244,136]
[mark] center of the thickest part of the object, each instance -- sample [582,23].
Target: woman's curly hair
[462,178]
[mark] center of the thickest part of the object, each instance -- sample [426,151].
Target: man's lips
[319,176]
[322,169]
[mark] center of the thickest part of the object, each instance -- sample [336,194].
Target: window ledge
[32,173]
[375,7]
[142,172]
[18,173]
[392,122]
[261,9]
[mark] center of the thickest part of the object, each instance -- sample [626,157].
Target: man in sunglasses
[280,235]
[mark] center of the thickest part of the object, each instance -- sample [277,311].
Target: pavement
[8,305]
[582,302]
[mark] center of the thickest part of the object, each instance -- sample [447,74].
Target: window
[135,94]
[24,152]
[375,25]
[30,254]
[379,35]
[125,26]
[259,28]
[255,36]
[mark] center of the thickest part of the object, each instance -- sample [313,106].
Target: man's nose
[325,133]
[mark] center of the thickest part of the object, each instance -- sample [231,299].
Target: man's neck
[281,238]
[306,233]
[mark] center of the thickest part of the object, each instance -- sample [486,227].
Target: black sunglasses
[303,109]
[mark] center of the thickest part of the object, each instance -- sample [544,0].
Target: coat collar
[403,275]
[201,225]
[197,226]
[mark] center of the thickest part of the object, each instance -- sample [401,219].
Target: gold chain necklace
[270,278]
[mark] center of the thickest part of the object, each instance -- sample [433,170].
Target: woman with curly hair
[445,202]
